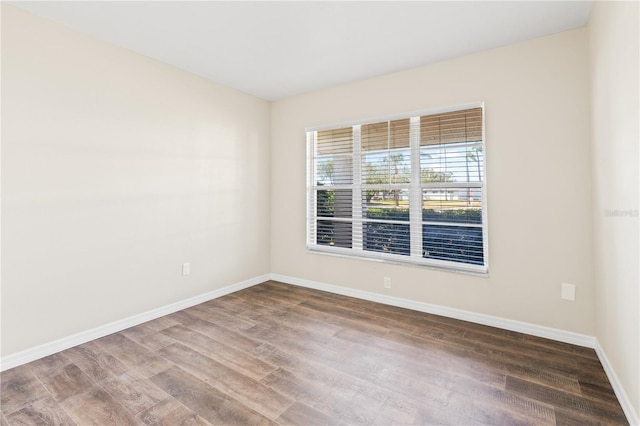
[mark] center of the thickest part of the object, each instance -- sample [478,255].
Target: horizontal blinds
[335,141]
[334,156]
[386,156]
[451,148]
[451,127]
[385,135]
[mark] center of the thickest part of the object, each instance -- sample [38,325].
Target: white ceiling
[278,49]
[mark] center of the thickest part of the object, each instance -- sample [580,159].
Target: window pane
[385,204]
[385,135]
[331,233]
[334,203]
[460,205]
[386,238]
[451,127]
[386,156]
[335,141]
[454,162]
[386,167]
[380,204]
[324,204]
[453,243]
[334,170]
[343,203]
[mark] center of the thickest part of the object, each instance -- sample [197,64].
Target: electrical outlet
[186,268]
[387,282]
[568,292]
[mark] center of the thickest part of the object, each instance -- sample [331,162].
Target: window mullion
[357,189]
[415,190]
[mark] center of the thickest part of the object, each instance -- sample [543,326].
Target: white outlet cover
[568,292]
[186,268]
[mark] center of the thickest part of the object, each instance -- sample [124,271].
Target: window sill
[476,271]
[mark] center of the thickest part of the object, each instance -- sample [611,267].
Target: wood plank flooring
[280,354]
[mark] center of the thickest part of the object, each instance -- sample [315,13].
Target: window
[408,190]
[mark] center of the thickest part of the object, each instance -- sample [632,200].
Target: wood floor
[280,354]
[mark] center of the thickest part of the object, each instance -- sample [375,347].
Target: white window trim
[415,207]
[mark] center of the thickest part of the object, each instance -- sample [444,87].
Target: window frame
[415,194]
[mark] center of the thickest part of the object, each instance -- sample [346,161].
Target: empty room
[320,213]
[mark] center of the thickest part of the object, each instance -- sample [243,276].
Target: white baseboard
[632,415]
[50,348]
[507,324]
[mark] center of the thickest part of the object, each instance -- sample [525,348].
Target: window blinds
[404,190]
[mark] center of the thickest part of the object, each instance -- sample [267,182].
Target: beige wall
[537,146]
[116,169]
[614,56]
